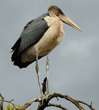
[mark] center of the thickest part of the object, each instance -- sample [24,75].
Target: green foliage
[14,107]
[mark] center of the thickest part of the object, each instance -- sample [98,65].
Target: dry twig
[1,104]
[55,105]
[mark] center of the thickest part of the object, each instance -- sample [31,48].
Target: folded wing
[30,35]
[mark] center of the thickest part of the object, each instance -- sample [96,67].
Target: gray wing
[31,34]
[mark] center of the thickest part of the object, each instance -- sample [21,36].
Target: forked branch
[46,99]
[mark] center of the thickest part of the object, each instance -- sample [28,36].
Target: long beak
[68,21]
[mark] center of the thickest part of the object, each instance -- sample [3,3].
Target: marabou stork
[39,37]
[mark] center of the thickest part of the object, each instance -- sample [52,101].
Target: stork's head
[55,11]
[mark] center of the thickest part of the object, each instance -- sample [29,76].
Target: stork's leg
[37,70]
[47,69]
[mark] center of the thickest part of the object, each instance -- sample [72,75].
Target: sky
[74,64]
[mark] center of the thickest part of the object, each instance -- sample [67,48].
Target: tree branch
[1,104]
[90,106]
[46,98]
[55,105]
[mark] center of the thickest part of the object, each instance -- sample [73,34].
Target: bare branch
[55,105]
[90,106]
[9,101]
[29,103]
[1,104]
[46,98]
[65,96]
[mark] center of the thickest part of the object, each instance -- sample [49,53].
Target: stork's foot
[44,98]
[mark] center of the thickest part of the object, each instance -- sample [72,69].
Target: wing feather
[30,35]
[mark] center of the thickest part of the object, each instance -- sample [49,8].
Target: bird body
[40,35]
[51,38]
[30,35]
